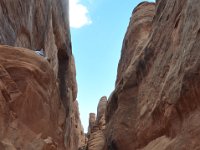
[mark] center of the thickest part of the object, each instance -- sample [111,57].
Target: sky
[97,31]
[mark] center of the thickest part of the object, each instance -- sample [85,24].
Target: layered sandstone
[96,139]
[79,128]
[155,105]
[36,25]
[30,111]
[136,35]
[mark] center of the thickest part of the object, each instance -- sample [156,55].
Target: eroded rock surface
[30,111]
[79,128]
[155,105]
[96,139]
[36,25]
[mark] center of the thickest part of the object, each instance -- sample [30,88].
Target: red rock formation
[78,126]
[136,35]
[92,120]
[155,105]
[40,25]
[100,120]
[30,112]
[96,128]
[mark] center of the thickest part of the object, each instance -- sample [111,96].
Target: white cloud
[78,14]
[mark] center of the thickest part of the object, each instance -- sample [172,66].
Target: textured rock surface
[36,24]
[96,139]
[92,120]
[100,120]
[79,128]
[136,35]
[155,105]
[29,99]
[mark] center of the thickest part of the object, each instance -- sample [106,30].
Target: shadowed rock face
[155,105]
[78,126]
[36,24]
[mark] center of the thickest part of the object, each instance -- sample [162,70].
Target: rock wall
[155,104]
[136,36]
[36,25]
[29,99]
[96,139]
[44,25]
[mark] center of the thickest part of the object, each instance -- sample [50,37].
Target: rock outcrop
[155,104]
[92,121]
[30,108]
[42,95]
[96,139]
[136,36]
[79,128]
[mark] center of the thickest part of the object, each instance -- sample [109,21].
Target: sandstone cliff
[37,97]
[155,105]
[29,110]
[96,139]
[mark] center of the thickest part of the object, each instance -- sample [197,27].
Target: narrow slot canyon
[151,103]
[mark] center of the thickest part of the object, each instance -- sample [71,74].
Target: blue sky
[97,30]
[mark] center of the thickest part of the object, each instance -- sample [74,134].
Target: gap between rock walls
[155,103]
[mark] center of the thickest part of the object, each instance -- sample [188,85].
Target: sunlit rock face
[155,104]
[38,107]
[136,36]
[30,111]
[96,139]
